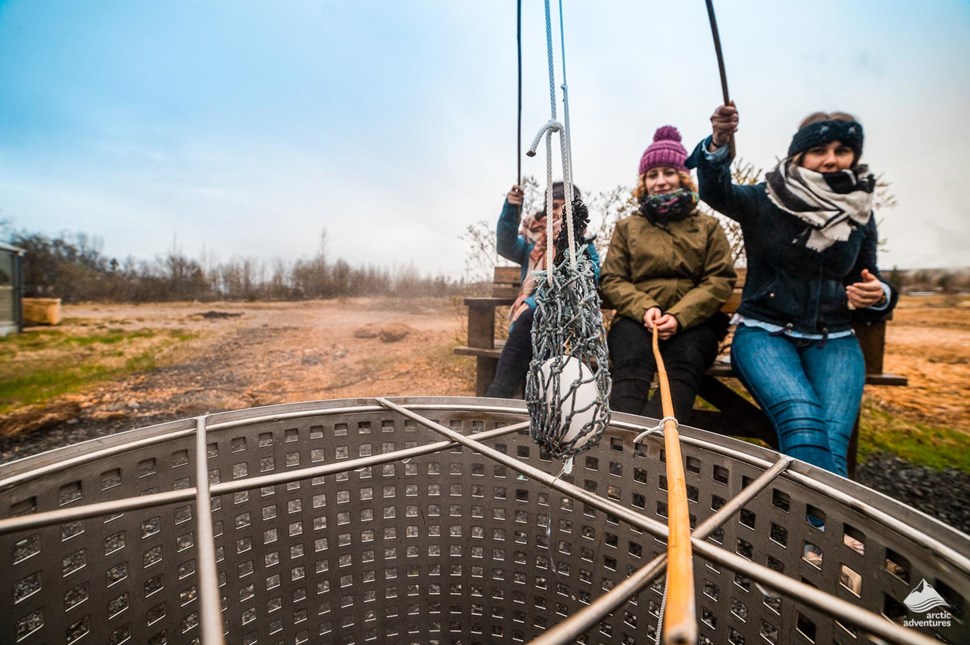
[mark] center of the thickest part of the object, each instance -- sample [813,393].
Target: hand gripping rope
[568,383]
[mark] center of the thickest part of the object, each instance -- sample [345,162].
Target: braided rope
[657,429]
[552,65]
[568,384]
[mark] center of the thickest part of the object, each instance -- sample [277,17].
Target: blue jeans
[810,390]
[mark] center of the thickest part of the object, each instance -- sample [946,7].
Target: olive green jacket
[686,269]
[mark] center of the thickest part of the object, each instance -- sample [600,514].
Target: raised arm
[508,242]
[712,159]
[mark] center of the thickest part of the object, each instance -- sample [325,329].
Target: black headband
[822,132]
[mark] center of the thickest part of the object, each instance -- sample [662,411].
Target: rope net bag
[568,384]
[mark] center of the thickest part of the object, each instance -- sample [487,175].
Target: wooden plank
[480,352]
[484,375]
[718,370]
[872,339]
[507,281]
[480,302]
[508,275]
[481,325]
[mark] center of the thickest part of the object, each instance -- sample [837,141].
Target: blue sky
[243,128]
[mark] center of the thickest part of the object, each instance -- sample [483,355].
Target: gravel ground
[940,494]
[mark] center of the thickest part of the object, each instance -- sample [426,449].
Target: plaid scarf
[668,207]
[831,203]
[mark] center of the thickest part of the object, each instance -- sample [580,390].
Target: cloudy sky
[246,128]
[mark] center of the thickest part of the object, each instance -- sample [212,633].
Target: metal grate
[368,521]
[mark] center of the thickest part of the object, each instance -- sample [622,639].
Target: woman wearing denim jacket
[810,239]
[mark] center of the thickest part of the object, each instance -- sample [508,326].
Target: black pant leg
[687,355]
[513,362]
[632,366]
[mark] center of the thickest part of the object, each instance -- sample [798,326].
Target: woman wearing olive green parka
[668,266]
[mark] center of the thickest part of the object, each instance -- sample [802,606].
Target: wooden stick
[720,65]
[518,140]
[680,615]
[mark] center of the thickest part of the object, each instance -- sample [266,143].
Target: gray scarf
[832,204]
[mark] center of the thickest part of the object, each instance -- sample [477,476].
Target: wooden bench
[735,415]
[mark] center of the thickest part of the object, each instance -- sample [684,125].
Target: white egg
[585,395]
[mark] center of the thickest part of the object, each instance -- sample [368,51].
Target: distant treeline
[71,266]
[951,280]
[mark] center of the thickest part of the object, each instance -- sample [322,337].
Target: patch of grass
[912,438]
[48,363]
[915,440]
[110,337]
[43,384]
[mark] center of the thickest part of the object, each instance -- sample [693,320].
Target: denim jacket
[787,283]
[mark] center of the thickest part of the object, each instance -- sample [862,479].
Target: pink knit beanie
[666,150]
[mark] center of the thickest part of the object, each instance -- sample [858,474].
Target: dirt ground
[252,354]
[928,341]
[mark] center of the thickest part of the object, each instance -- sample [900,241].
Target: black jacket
[788,283]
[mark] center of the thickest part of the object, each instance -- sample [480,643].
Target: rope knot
[657,429]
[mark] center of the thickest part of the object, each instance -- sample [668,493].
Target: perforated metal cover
[330,526]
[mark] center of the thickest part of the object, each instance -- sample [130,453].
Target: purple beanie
[666,150]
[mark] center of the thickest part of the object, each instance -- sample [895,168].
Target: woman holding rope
[668,267]
[810,239]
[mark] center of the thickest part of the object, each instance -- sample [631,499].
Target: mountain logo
[924,598]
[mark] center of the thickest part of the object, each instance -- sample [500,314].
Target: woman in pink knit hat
[668,267]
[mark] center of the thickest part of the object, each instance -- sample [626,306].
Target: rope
[679,614]
[568,384]
[657,429]
[565,143]
[660,618]
[565,88]
[564,140]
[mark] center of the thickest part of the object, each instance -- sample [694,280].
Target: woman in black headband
[810,240]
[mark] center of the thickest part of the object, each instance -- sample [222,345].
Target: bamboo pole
[680,614]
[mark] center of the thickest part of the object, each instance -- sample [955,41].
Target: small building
[11,289]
